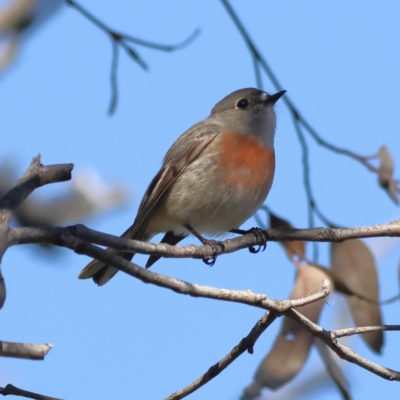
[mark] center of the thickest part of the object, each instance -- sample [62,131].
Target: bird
[213,178]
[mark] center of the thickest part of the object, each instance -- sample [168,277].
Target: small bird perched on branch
[213,178]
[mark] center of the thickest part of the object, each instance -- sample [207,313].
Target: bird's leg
[260,234]
[214,244]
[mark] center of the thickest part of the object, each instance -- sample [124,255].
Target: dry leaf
[292,248]
[353,262]
[385,173]
[341,287]
[291,347]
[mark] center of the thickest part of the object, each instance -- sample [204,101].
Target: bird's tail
[100,272]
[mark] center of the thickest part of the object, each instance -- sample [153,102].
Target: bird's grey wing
[181,154]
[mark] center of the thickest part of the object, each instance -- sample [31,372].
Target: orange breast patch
[246,161]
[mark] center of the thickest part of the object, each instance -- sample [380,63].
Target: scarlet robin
[213,178]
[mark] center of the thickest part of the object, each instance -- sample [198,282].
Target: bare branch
[25,235]
[69,237]
[251,45]
[113,77]
[14,391]
[343,351]
[64,238]
[257,55]
[79,239]
[246,344]
[312,203]
[88,194]
[24,350]
[363,329]
[122,39]
[35,176]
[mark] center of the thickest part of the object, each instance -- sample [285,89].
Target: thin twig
[343,351]
[257,73]
[362,159]
[255,53]
[113,78]
[298,119]
[251,45]
[313,207]
[307,183]
[258,61]
[14,391]
[121,39]
[246,344]
[363,329]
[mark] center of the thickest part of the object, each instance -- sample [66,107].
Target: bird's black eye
[242,104]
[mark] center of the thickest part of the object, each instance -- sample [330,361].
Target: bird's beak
[273,98]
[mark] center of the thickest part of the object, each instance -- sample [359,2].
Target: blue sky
[339,62]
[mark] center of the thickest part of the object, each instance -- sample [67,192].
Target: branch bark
[338,333]
[25,235]
[343,351]
[35,176]
[65,238]
[27,351]
[246,343]
[14,391]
